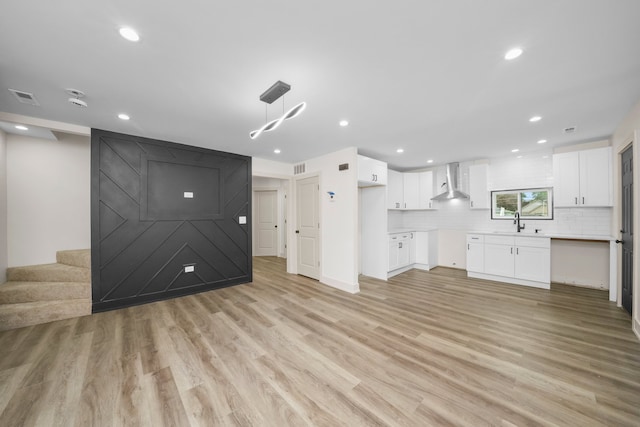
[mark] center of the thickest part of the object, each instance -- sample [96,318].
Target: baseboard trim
[511,280]
[399,271]
[636,328]
[352,288]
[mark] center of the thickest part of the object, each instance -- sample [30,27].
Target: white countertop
[409,230]
[547,235]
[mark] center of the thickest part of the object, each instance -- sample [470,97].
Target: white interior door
[308,227]
[266,223]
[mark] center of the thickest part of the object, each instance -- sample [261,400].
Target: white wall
[338,219]
[270,168]
[48,197]
[4,256]
[626,133]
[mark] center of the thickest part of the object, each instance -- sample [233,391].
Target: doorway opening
[269,206]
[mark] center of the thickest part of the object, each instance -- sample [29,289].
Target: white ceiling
[427,76]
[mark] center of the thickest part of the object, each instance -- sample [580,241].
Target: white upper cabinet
[478,189]
[596,180]
[583,178]
[371,172]
[395,190]
[426,190]
[411,190]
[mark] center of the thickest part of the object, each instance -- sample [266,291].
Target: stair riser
[76,258]
[13,316]
[18,292]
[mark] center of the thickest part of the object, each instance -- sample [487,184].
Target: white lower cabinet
[399,250]
[521,260]
[475,252]
[533,259]
[498,255]
[412,250]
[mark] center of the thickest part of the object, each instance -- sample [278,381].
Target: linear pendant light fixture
[278,89]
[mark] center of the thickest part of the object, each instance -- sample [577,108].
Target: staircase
[44,293]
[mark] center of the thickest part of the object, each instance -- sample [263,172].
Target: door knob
[276,226]
[297,231]
[619,241]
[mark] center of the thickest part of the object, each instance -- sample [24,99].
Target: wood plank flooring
[426,348]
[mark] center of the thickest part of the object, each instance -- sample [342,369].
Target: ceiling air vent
[570,129]
[299,168]
[24,97]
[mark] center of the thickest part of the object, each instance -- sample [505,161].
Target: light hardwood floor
[426,348]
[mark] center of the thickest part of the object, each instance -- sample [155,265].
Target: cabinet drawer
[533,242]
[475,238]
[499,240]
[399,237]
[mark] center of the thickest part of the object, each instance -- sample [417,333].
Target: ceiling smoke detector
[75,97]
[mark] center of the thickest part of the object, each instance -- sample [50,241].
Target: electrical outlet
[189,268]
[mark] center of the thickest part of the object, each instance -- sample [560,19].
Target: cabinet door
[411,183]
[380,172]
[394,252]
[412,248]
[404,252]
[533,264]
[371,172]
[425,184]
[478,191]
[395,189]
[595,177]
[475,257]
[498,259]
[566,179]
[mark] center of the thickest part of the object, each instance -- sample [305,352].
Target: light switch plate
[242,220]
[189,268]
[188,194]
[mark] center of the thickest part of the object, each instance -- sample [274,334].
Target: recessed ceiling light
[129,34]
[344,123]
[513,53]
[22,127]
[515,150]
[123,116]
[430,161]
[542,141]
[400,150]
[277,151]
[535,119]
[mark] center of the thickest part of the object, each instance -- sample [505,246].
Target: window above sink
[531,203]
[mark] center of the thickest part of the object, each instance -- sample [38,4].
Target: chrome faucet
[517,221]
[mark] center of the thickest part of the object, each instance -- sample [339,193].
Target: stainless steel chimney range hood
[452,192]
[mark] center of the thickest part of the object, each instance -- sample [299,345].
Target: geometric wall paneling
[160,209]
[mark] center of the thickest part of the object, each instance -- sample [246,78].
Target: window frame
[519,192]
